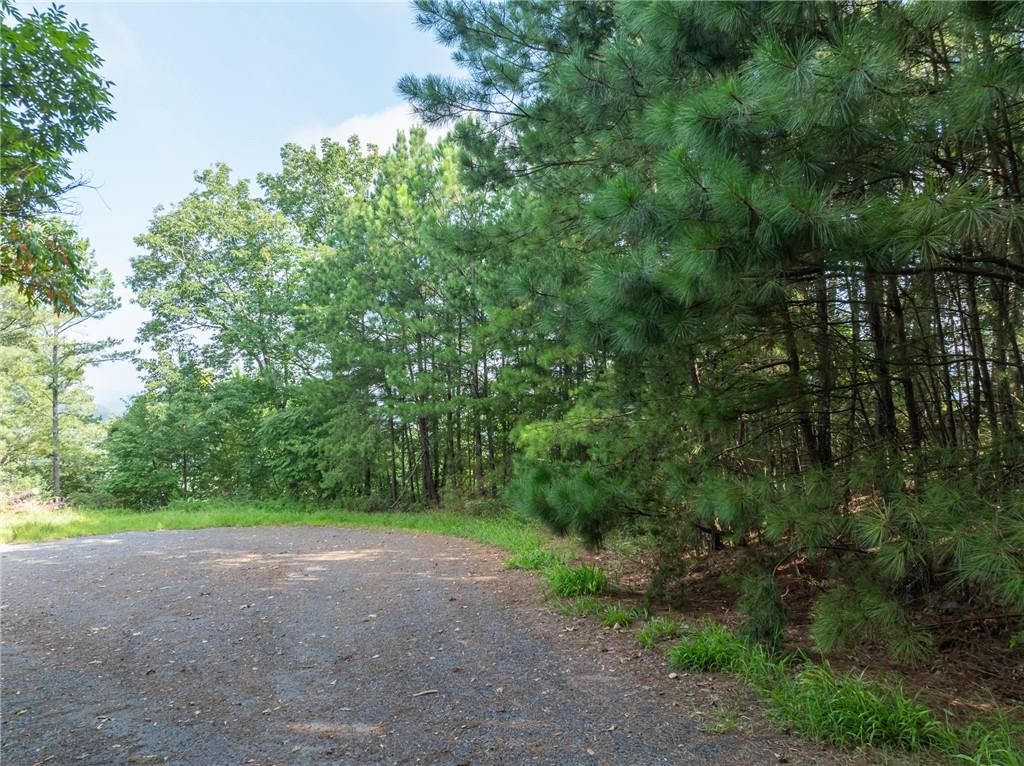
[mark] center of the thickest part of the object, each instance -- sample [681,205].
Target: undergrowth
[844,709]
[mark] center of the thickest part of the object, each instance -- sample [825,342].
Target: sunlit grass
[537,560]
[507,531]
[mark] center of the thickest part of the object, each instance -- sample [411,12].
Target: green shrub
[368,504]
[859,611]
[566,581]
[764,614]
[582,503]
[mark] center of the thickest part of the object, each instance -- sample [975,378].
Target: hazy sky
[198,83]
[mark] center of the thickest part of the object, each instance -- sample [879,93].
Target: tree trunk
[1001,355]
[55,415]
[947,381]
[907,382]
[978,344]
[824,338]
[803,414]
[394,467]
[886,418]
[478,444]
[429,490]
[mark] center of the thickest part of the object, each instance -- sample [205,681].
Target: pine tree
[804,257]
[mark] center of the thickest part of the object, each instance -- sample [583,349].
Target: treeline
[738,275]
[339,336]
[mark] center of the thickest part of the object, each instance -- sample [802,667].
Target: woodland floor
[298,645]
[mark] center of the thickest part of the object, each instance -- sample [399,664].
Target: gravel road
[300,645]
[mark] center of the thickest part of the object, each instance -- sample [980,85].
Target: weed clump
[618,616]
[847,710]
[583,606]
[656,630]
[712,648]
[583,580]
[535,559]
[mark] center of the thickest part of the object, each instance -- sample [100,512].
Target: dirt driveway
[302,645]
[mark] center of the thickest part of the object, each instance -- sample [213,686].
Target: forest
[732,278]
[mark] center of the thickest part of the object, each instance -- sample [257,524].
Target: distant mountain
[105,412]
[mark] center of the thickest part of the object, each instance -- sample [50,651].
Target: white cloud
[379,128]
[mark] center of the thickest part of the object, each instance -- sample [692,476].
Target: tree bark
[429,490]
[824,437]
[886,420]
[55,415]
[803,414]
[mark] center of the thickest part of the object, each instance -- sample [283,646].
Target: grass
[581,606]
[566,581]
[712,648]
[509,532]
[656,630]
[538,559]
[845,709]
[619,616]
[996,741]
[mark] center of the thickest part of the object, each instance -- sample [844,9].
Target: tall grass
[568,582]
[619,616]
[712,648]
[845,709]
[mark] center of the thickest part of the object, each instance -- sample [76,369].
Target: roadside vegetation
[844,708]
[524,539]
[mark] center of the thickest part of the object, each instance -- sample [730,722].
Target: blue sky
[199,83]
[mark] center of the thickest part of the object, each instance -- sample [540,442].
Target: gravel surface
[302,645]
